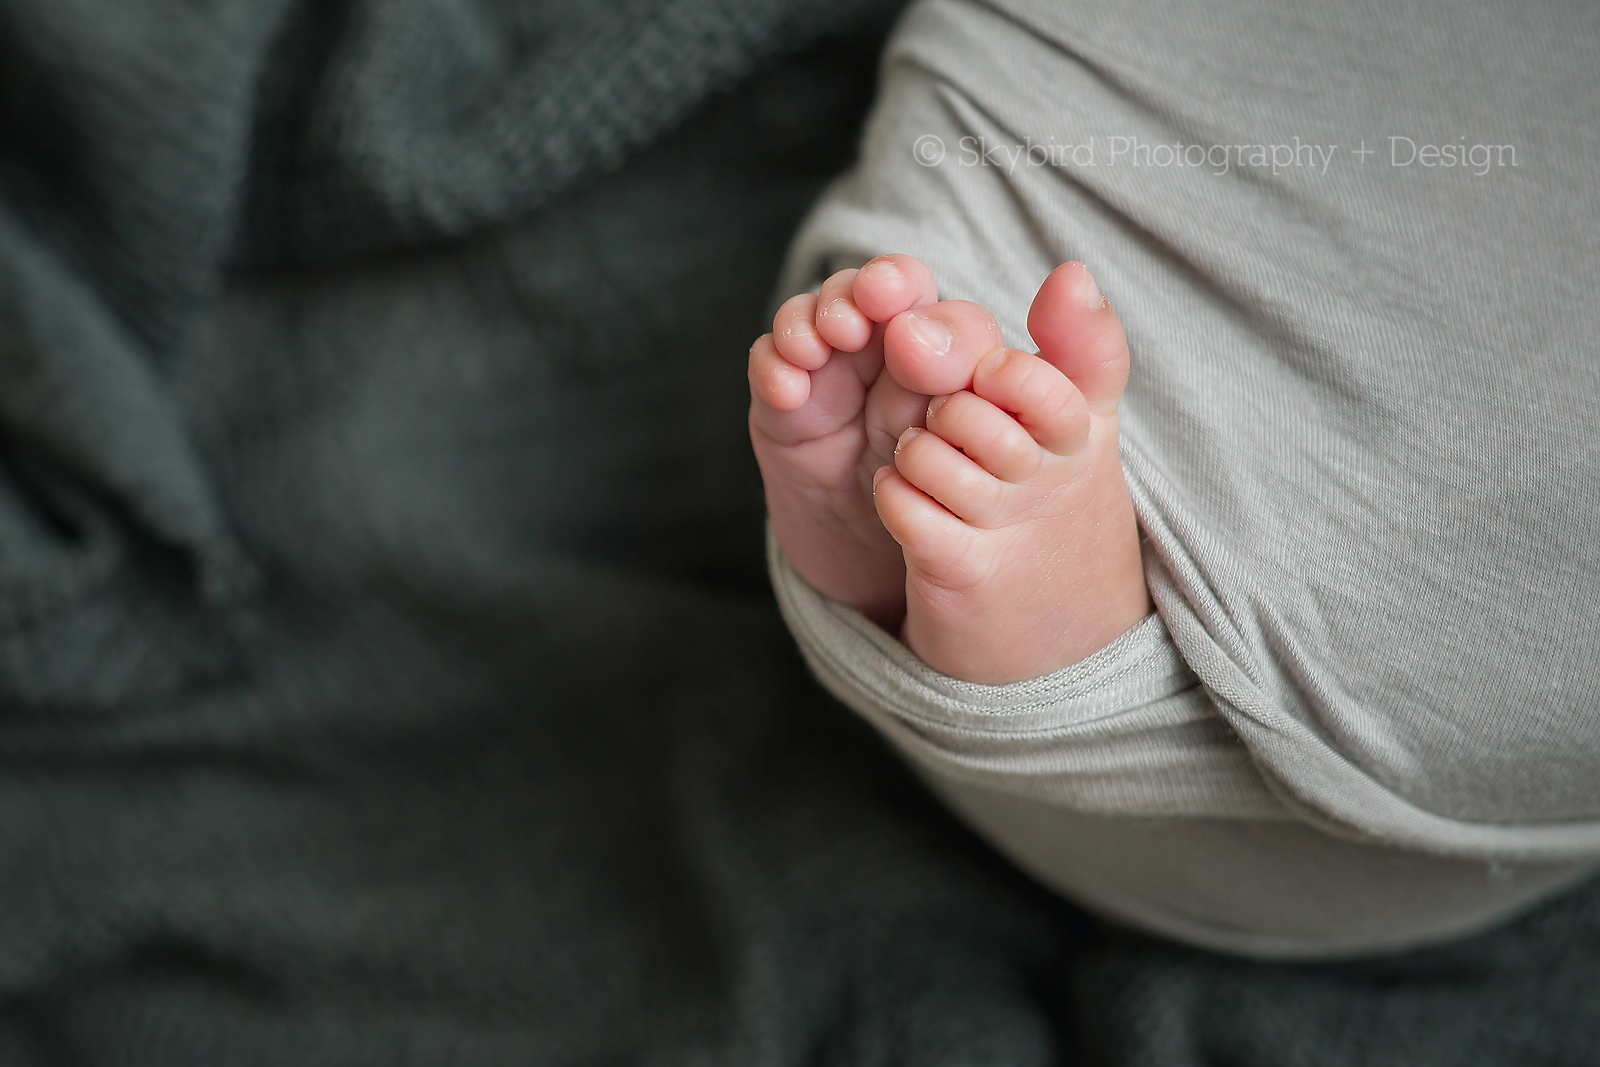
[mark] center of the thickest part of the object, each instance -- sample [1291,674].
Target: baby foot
[1021,547]
[824,416]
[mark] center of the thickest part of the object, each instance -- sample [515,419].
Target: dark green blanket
[387,672]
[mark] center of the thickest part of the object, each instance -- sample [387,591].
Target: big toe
[1079,333]
[933,350]
[888,285]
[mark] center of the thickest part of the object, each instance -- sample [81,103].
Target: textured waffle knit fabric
[1355,247]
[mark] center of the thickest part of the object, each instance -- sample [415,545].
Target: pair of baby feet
[966,494]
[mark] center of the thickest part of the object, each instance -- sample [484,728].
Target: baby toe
[838,321]
[774,381]
[933,350]
[934,540]
[1078,332]
[891,284]
[1045,401]
[968,491]
[992,438]
[794,332]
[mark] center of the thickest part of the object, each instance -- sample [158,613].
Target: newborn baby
[1352,464]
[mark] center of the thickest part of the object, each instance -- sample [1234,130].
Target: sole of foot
[828,408]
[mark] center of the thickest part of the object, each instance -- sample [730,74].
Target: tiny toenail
[879,475]
[1089,292]
[992,362]
[906,438]
[936,403]
[882,270]
[931,332]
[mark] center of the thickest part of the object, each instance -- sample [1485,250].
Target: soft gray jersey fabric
[1355,247]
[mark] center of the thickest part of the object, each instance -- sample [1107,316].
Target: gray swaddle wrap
[1355,247]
